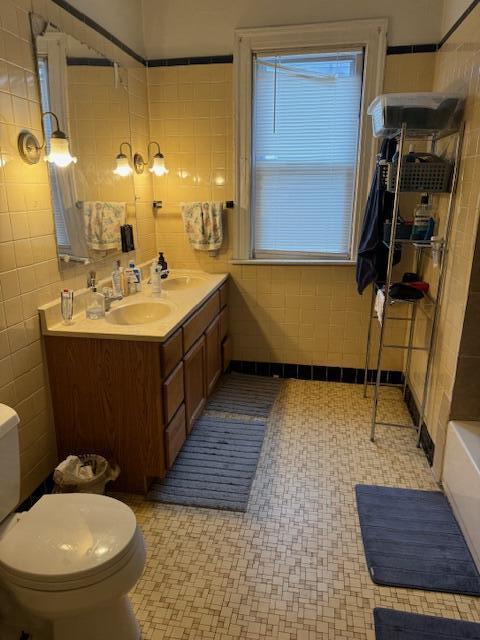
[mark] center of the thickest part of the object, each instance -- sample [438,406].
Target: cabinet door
[213,359]
[194,373]
[175,436]
[173,392]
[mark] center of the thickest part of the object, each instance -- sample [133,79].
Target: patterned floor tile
[292,567]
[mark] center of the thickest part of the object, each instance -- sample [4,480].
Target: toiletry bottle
[135,273]
[95,302]
[164,265]
[423,222]
[130,281]
[117,279]
[156,277]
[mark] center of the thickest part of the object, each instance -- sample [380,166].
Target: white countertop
[182,303]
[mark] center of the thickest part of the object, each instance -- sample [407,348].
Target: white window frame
[371,35]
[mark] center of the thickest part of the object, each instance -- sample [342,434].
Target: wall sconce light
[157,166]
[30,149]
[124,162]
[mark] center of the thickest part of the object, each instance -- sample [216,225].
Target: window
[306,115]
[305,151]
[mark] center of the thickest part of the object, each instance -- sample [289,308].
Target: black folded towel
[402,291]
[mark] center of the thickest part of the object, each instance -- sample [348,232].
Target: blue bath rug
[216,465]
[399,625]
[412,539]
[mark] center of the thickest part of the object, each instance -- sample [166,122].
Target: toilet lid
[68,535]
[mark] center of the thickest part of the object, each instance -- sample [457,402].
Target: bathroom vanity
[132,391]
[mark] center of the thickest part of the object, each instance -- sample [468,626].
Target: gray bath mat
[244,394]
[412,540]
[399,625]
[216,465]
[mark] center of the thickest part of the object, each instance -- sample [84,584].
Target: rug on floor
[244,394]
[400,625]
[216,465]
[412,539]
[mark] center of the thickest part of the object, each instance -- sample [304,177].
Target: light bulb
[59,154]
[123,167]
[158,165]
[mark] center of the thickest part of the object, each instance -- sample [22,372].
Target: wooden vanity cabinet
[132,401]
[195,386]
[213,360]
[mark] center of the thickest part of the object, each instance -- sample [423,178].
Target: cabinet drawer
[173,392]
[171,352]
[196,325]
[175,435]
[226,353]
[223,323]
[223,295]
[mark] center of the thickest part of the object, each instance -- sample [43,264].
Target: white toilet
[71,560]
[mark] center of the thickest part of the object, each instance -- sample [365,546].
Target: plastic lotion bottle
[137,275]
[130,279]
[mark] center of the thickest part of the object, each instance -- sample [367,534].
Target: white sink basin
[175,283]
[139,313]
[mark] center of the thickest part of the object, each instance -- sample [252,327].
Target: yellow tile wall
[297,314]
[29,271]
[457,65]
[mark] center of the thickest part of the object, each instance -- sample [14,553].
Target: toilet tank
[9,461]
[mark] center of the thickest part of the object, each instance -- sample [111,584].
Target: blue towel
[372,252]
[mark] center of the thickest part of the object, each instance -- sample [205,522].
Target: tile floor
[292,567]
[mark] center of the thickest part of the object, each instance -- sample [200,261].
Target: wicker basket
[429,177]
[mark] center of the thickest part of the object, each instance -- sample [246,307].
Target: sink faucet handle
[110,297]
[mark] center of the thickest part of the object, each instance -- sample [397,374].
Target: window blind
[306,116]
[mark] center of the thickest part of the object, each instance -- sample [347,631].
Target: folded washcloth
[102,222]
[379,304]
[203,224]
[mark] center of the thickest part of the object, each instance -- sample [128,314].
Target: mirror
[89,95]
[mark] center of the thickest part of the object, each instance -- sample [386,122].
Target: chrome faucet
[110,297]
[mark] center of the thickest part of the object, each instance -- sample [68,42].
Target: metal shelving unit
[428,305]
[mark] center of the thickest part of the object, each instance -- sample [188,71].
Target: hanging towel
[203,225]
[379,304]
[372,252]
[102,222]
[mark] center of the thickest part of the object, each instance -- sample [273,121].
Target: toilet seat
[68,541]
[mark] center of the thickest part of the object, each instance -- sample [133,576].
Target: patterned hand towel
[203,224]
[102,222]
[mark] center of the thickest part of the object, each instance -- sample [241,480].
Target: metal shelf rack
[428,305]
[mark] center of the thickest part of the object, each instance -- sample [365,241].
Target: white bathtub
[461,479]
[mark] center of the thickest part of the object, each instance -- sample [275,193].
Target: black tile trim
[89,62]
[426,441]
[412,48]
[312,372]
[97,27]
[455,26]
[175,62]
